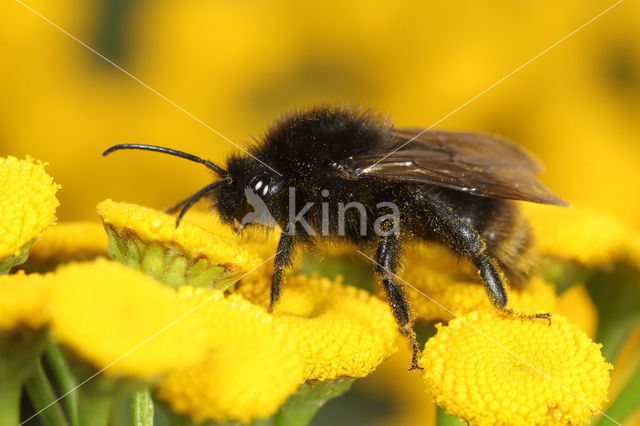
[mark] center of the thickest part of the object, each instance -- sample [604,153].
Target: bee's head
[250,194]
[247,192]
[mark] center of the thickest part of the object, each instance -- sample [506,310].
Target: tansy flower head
[149,240]
[252,367]
[24,300]
[66,242]
[454,284]
[582,235]
[27,207]
[489,369]
[341,331]
[107,312]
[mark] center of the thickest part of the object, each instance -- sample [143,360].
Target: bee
[325,172]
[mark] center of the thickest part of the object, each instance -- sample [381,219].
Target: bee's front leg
[283,259]
[387,259]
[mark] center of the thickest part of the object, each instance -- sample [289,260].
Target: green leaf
[616,294]
[627,401]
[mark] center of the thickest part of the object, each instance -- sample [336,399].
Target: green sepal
[9,262]
[303,405]
[444,419]
[166,262]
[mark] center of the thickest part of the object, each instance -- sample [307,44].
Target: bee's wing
[475,163]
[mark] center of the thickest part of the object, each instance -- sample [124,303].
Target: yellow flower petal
[576,306]
[27,203]
[341,331]
[24,300]
[477,380]
[109,313]
[253,366]
[148,239]
[404,390]
[582,235]
[69,241]
[454,284]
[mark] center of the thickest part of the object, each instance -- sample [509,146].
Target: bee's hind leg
[493,284]
[464,240]
[387,259]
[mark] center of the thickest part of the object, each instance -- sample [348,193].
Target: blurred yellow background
[238,65]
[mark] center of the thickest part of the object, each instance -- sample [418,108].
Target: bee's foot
[415,366]
[416,354]
[414,362]
[545,315]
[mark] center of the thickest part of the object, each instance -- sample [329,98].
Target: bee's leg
[387,258]
[284,255]
[464,240]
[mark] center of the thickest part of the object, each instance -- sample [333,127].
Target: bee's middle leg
[387,258]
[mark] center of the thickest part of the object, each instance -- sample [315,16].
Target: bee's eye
[261,184]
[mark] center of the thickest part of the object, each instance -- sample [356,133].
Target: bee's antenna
[219,170]
[186,204]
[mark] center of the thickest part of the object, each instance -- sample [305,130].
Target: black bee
[346,174]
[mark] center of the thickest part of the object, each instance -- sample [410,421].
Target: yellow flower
[149,240]
[341,331]
[582,235]
[113,316]
[474,378]
[27,205]
[252,368]
[576,306]
[453,283]
[24,300]
[68,241]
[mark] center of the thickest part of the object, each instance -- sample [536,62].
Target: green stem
[301,407]
[19,352]
[65,380]
[626,402]
[43,398]
[95,400]
[142,408]
[10,402]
